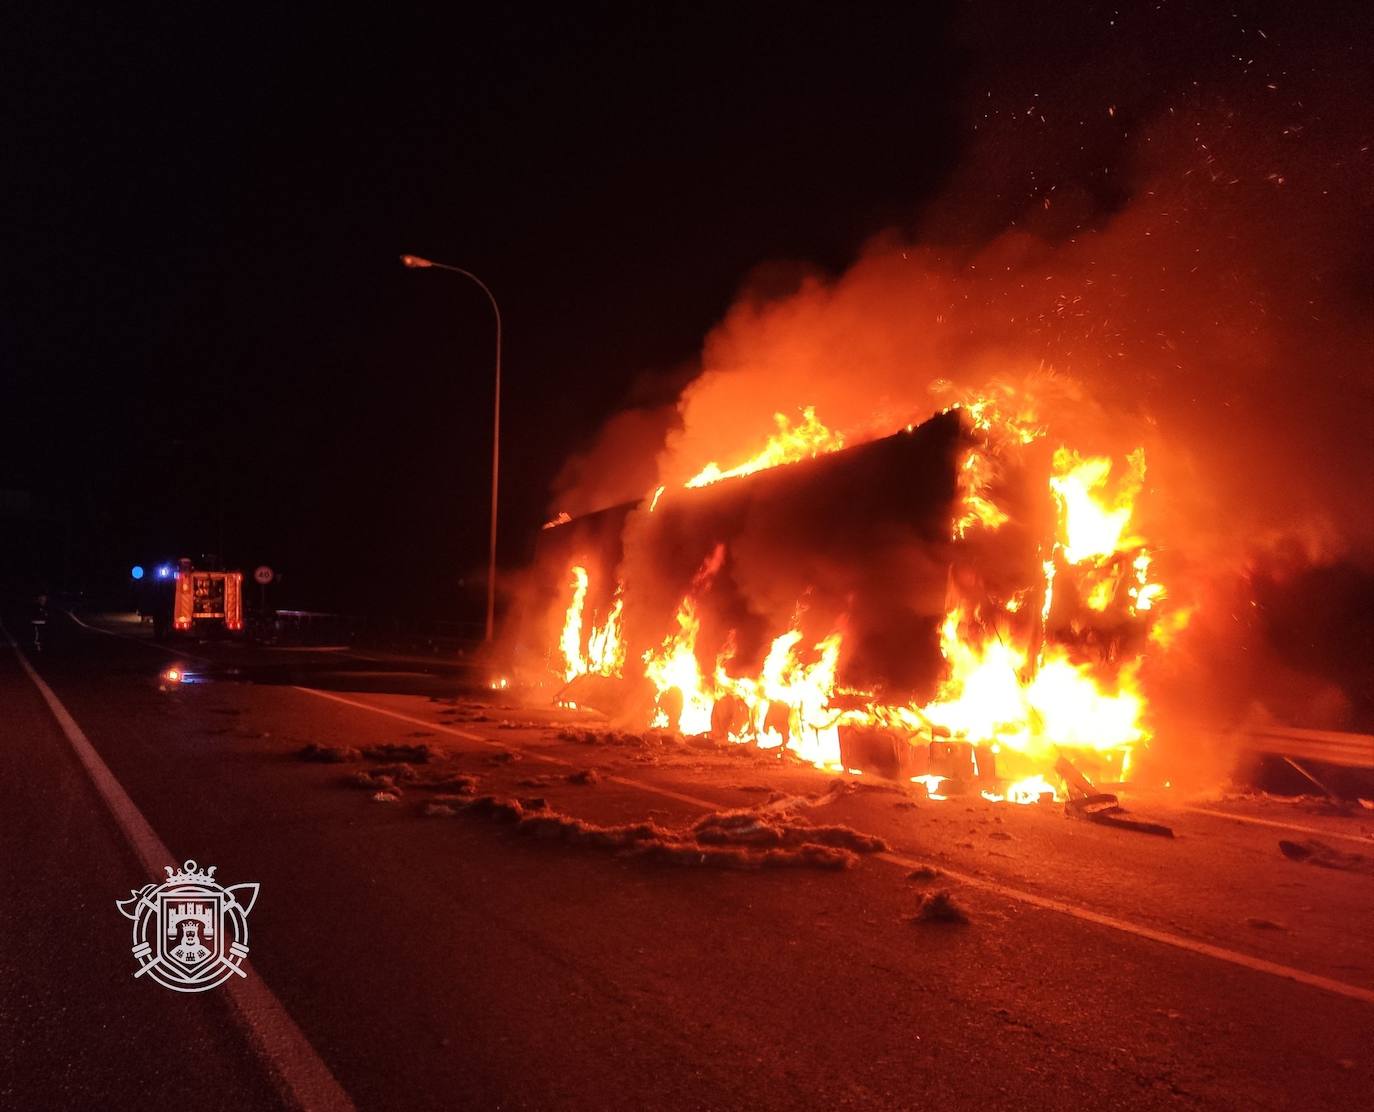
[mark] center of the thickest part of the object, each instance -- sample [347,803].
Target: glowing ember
[789,444]
[932,785]
[1033,789]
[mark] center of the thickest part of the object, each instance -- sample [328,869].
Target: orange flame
[605,645]
[1002,424]
[674,667]
[1094,522]
[788,704]
[605,653]
[789,444]
[1021,675]
[570,642]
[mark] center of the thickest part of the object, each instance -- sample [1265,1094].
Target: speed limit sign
[263,575]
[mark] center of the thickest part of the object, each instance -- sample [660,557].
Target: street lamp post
[415,262]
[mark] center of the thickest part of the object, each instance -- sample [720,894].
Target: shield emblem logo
[191,937]
[190,932]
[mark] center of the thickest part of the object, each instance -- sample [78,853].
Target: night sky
[207,341]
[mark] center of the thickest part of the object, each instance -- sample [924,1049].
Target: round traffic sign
[263,575]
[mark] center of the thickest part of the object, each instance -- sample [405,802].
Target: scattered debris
[1086,802]
[778,829]
[608,737]
[535,782]
[907,805]
[452,782]
[924,872]
[493,806]
[1000,835]
[1305,774]
[1316,852]
[584,776]
[415,754]
[420,733]
[328,754]
[734,839]
[386,797]
[1074,780]
[501,756]
[373,781]
[939,907]
[395,772]
[1264,924]
[685,853]
[437,810]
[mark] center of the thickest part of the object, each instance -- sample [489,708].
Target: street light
[415,262]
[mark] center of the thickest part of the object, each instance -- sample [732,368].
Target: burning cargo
[956,603]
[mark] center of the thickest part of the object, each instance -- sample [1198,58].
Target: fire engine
[207,599]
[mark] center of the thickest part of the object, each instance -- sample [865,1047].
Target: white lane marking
[1221,953]
[138,641]
[1087,915]
[279,1043]
[403,717]
[1362,839]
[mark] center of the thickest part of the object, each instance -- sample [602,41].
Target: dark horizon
[212,346]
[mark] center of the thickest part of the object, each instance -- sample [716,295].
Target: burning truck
[966,603]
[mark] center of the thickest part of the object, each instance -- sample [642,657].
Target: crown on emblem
[190,873]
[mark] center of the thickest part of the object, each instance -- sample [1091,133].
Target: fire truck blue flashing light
[164,571]
[136,571]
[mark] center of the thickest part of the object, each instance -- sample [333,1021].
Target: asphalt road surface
[410,955]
